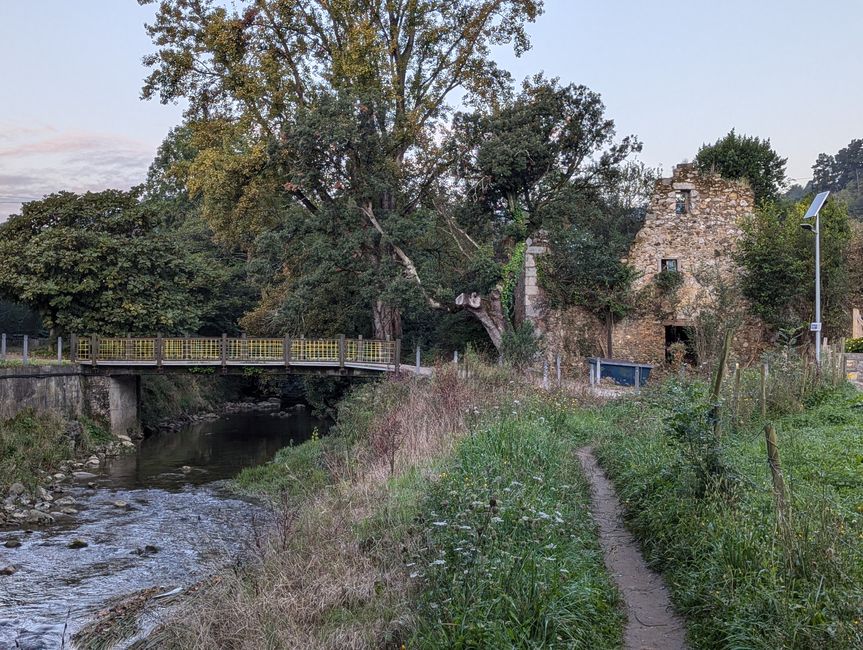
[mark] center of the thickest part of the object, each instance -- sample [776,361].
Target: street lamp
[812,213]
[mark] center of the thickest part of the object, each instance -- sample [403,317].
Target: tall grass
[330,572]
[509,556]
[737,577]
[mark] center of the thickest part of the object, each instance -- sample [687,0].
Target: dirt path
[651,623]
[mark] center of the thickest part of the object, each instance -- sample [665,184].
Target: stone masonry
[692,225]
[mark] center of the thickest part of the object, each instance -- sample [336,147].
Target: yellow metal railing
[225,350]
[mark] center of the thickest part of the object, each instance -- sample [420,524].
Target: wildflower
[439,524]
[437,563]
[496,520]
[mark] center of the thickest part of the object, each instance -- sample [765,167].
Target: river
[174,500]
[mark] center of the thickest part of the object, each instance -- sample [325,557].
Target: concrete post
[160,352]
[361,350]
[2,347]
[73,349]
[418,359]
[26,345]
[287,350]
[557,367]
[545,374]
[59,350]
[94,349]
[398,356]
[341,350]
[455,357]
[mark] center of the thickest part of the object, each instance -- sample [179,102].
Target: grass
[509,552]
[359,515]
[295,471]
[739,580]
[30,442]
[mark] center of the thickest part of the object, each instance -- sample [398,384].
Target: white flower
[437,563]
[496,520]
[439,523]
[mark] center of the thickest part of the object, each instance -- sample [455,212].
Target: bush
[854,345]
[30,442]
[520,345]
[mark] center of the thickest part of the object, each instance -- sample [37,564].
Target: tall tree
[323,116]
[742,156]
[98,262]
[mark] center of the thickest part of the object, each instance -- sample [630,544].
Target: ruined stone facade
[692,227]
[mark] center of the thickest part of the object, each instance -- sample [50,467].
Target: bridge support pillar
[124,401]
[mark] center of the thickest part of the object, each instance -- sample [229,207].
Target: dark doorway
[680,334]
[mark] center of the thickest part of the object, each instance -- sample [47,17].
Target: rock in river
[77,543]
[12,542]
[8,571]
[39,517]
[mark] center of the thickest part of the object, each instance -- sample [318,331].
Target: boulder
[65,501]
[7,570]
[93,461]
[121,504]
[59,476]
[38,517]
[12,542]
[83,475]
[44,494]
[77,543]
[16,489]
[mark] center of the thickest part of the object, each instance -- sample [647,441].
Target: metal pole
[59,350]
[818,290]
[26,345]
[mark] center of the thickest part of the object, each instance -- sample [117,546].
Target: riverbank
[453,512]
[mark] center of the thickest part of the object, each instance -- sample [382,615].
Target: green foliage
[747,157]
[30,442]
[778,265]
[511,272]
[668,282]
[99,262]
[841,174]
[18,319]
[295,471]
[733,576]
[520,346]
[508,552]
[580,269]
[854,345]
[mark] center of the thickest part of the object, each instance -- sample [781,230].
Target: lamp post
[812,213]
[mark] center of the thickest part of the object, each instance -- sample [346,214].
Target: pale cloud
[39,160]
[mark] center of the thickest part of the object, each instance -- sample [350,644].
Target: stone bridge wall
[65,391]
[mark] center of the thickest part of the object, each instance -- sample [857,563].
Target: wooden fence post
[398,356]
[341,350]
[736,393]
[717,385]
[765,370]
[776,476]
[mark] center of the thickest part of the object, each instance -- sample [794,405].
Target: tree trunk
[489,312]
[387,321]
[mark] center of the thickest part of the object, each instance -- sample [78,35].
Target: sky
[676,74]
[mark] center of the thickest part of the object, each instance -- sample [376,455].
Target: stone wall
[701,241]
[854,367]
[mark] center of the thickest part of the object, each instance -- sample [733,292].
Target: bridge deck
[228,352]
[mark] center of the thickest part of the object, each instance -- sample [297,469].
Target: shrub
[520,345]
[854,345]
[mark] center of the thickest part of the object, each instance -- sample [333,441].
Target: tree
[777,257]
[747,157]
[841,174]
[98,262]
[225,290]
[321,118]
[532,163]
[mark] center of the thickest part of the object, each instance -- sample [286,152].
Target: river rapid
[162,517]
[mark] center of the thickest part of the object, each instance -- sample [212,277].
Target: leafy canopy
[742,156]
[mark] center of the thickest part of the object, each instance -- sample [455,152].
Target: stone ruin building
[692,228]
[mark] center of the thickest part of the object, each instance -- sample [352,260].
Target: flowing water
[175,501]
